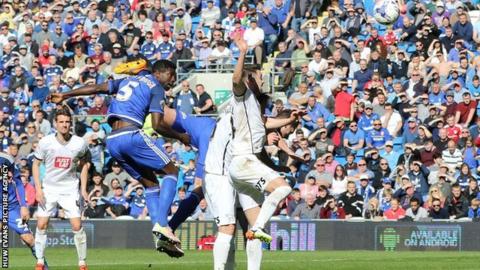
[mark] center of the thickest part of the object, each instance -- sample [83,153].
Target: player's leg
[220,196]
[151,157]
[44,212]
[71,206]
[41,241]
[250,205]
[250,174]
[187,206]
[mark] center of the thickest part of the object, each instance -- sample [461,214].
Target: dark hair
[456,185]
[435,200]
[415,200]
[335,175]
[163,66]
[295,190]
[65,111]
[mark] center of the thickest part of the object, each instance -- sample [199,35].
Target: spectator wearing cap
[368,117]
[351,201]
[26,57]
[410,134]
[254,37]
[165,48]
[419,177]
[5,100]
[182,22]
[353,138]
[209,14]
[365,189]
[118,173]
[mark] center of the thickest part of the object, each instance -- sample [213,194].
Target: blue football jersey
[16,191]
[137,96]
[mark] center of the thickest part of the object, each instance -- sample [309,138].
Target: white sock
[220,250]
[254,254]
[40,243]
[80,239]
[270,205]
[231,256]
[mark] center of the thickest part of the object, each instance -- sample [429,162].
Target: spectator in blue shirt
[149,49]
[165,48]
[268,21]
[366,120]
[474,210]
[353,138]
[117,204]
[410,133]
[463,28]
[40,91]
[186,99]
[137,202]
[378,136]
[315,110]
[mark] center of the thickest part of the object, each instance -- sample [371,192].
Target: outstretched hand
[241,43]
[56,98]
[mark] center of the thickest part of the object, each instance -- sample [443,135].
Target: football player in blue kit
[138,154]
[18,214]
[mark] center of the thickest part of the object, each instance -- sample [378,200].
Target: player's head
[164,72]
[286,130]
[63,120]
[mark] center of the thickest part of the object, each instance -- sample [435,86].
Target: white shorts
[249,174]
[220,196]
[70,203]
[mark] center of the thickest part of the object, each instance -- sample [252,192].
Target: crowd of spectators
[392,124]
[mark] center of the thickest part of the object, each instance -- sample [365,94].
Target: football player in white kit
[248,169]
[61,152]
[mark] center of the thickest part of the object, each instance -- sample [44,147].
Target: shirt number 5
[126,91]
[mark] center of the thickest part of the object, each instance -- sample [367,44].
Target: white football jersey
[248,128]
[60,162]
[218,155]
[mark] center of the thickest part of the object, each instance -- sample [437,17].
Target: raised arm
[239,87]
[82,91]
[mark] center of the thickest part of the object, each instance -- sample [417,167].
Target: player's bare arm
[160,125]
[82,91]
[239,87]
[274,123]
[84,180]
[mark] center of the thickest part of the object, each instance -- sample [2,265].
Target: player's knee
[41,225]
[28,239]
[77,231]
[227,229]
[276,183]
[41,231]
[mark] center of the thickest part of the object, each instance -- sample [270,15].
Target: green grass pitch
[133,259]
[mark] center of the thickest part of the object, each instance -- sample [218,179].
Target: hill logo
[293,236]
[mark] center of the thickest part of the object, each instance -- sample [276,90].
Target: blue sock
[152,197]
[167,194]
[185,209]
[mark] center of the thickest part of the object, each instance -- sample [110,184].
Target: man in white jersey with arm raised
[62,153]
[248,169]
